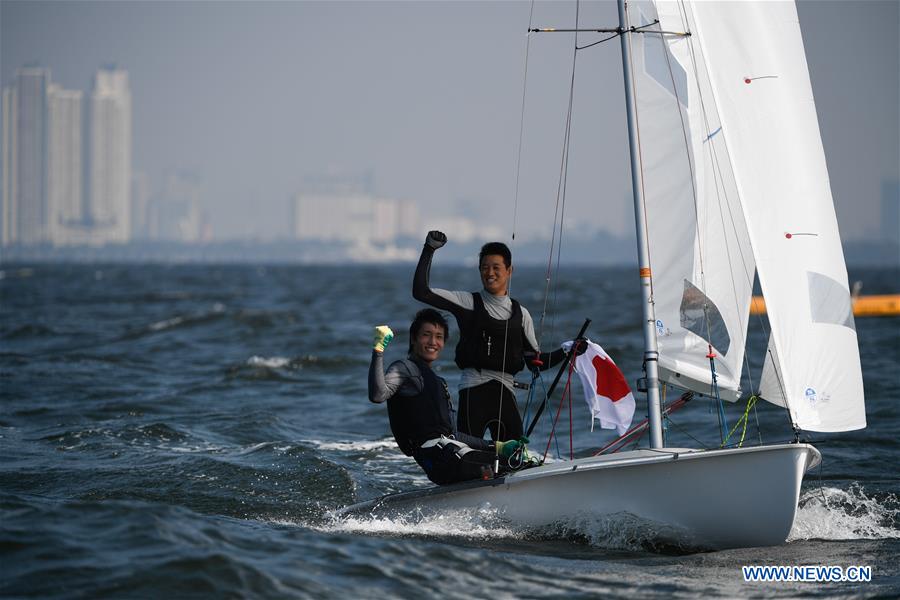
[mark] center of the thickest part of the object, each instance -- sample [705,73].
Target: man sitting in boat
[486,320]
[420,410]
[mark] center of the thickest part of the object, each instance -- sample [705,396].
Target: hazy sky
[255,96]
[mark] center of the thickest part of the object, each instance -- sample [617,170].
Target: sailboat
[729,182]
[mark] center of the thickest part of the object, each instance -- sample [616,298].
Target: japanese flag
[605,390]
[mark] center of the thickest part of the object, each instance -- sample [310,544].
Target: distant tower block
[110,155]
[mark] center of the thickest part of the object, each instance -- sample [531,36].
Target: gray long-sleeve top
[404,378]
[498,307]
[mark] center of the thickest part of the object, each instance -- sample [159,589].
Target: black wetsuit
[420,413]
[496,340]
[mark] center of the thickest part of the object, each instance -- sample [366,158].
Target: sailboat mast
[651,351]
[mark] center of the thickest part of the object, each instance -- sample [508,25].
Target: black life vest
[425,416]
[481,339]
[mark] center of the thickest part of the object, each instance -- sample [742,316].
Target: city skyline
[431,109]
[66,164]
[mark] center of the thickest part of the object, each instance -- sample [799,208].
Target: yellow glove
[383,337]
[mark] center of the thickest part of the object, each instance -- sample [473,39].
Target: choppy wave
[173,417]
[619,532]
[356,446]
[828,513]
[623,532]
[477,523]
[824,514]
[157,435]
[179,321]
[275,362]
[300,362]
[282,368]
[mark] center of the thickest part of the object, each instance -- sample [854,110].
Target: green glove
[507,449]
[383,337]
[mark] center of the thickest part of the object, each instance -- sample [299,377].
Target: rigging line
[592,44]
[522,121]
[748,275]
[515,213]
[565,181]
[556,217]
[787,407]
[559,213]
[685,432]
[720,180]
[562,400]
[722,189]
[571,423]
[662,402]
[717,176]
[758,429]
[565,186]
[751,402]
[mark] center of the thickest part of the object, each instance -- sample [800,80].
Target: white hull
[730,498]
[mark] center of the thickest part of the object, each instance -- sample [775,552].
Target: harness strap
[443,442]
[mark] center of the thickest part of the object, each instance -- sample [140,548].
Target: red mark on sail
[749,80]
[790,235]
[610,381]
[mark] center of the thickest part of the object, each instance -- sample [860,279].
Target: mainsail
[702,266]
[746,126]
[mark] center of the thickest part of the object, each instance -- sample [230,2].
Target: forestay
[755,60]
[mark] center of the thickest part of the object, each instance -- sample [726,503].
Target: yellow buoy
[885,305]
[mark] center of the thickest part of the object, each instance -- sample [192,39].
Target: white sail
[699,250]
[757,66]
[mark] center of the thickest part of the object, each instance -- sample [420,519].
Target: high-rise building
[31,154]
[333,217]
[43,161]
[109,183]
[66,223]
[358,218]
[8,208]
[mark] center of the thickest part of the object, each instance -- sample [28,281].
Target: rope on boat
[751,403]
[566,395]
[515,212]
[639,429]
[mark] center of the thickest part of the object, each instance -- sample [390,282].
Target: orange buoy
[885,305]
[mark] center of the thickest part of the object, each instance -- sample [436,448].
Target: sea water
[184,431]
